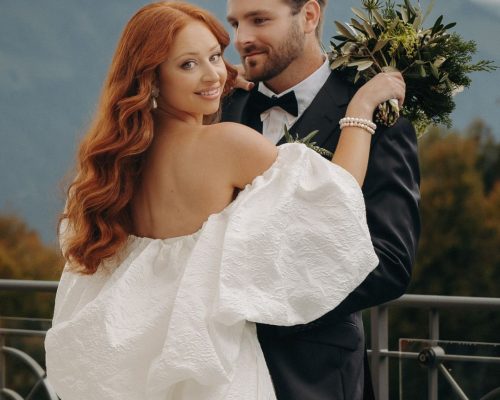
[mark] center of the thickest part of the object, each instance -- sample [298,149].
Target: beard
[278,60]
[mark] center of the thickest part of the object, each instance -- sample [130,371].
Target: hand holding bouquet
[434,62]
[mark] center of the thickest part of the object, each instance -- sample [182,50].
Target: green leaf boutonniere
[307,141]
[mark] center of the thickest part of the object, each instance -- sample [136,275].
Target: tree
[458,250]
[24,256]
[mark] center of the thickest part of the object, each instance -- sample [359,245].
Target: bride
[181,234]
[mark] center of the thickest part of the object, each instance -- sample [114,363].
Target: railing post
[380,341]
[432,373]
[3,375]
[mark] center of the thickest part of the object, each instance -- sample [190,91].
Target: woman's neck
[172,119]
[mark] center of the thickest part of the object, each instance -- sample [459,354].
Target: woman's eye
[188,65]
[216,57]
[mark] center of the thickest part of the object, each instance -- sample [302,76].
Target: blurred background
[53,58]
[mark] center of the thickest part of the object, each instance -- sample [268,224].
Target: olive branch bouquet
[434,62]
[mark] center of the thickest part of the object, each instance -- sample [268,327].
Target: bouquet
[435,63]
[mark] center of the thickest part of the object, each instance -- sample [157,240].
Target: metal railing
[380,354]
[26,360]
[431,357]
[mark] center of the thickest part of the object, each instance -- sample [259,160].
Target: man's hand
[241,82]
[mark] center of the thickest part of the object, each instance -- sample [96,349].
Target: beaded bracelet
[362,123]
[368,122]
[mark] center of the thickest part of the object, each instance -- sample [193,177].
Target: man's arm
[392,198]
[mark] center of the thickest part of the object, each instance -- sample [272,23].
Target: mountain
[54,56]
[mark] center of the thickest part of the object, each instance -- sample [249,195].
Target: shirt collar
[306,90]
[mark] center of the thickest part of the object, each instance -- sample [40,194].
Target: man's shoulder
[233,104]
[235,96]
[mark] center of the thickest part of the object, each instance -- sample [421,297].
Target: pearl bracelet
[368,122]
[362,123]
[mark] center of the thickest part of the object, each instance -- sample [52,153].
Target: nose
[210,73]
[243,37]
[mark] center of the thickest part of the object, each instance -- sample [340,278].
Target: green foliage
[458,250]
[459,213]
[434,62]
[307,140]
[24,256]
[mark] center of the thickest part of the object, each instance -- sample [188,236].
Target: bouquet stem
[387,113]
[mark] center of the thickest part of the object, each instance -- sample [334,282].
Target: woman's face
[192,77]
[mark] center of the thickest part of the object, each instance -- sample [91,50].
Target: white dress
[175,319]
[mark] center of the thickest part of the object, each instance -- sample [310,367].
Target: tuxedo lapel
[325,111]
[323,114]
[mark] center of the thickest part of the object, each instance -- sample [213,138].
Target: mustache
[250,49]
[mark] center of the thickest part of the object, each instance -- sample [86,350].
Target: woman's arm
[354,144]
[249,153]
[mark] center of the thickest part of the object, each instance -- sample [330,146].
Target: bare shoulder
[239,136]
[244,151]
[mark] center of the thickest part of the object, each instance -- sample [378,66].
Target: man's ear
[311,13]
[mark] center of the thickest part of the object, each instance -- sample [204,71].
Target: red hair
[112,153]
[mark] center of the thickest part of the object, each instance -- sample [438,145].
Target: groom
[279,43]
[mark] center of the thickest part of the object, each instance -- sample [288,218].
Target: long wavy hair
[97,218]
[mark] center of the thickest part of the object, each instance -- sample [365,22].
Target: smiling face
[267,35]
[192,78]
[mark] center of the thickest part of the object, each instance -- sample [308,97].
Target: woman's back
[186,178]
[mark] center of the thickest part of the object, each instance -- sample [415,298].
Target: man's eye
[188,65]
[259,21]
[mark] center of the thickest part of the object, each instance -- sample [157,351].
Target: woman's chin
[211,110]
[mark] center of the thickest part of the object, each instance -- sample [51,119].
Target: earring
[155,92]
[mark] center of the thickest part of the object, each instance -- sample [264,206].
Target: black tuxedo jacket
[323,360]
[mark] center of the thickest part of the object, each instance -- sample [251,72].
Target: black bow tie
[260,102]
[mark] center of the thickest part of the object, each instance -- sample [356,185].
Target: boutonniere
[307,140]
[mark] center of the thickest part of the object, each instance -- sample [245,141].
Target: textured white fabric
[175,318]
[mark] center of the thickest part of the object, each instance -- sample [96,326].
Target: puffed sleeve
[296,243]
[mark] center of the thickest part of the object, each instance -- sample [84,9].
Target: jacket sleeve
[392,198]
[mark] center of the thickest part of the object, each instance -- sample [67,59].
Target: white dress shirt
[275,118]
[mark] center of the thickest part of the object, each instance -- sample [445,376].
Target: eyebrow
[249,14]
[194,53]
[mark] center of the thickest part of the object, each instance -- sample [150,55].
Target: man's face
[267,36]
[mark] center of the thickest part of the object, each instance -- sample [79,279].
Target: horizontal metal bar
[407,300]
[444,357]
[395,354]
[21,332]
[432,301]
[24,319]
[35,286]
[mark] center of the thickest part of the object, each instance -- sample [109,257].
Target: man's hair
[296,6]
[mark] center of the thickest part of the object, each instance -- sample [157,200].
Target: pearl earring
[155,92]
